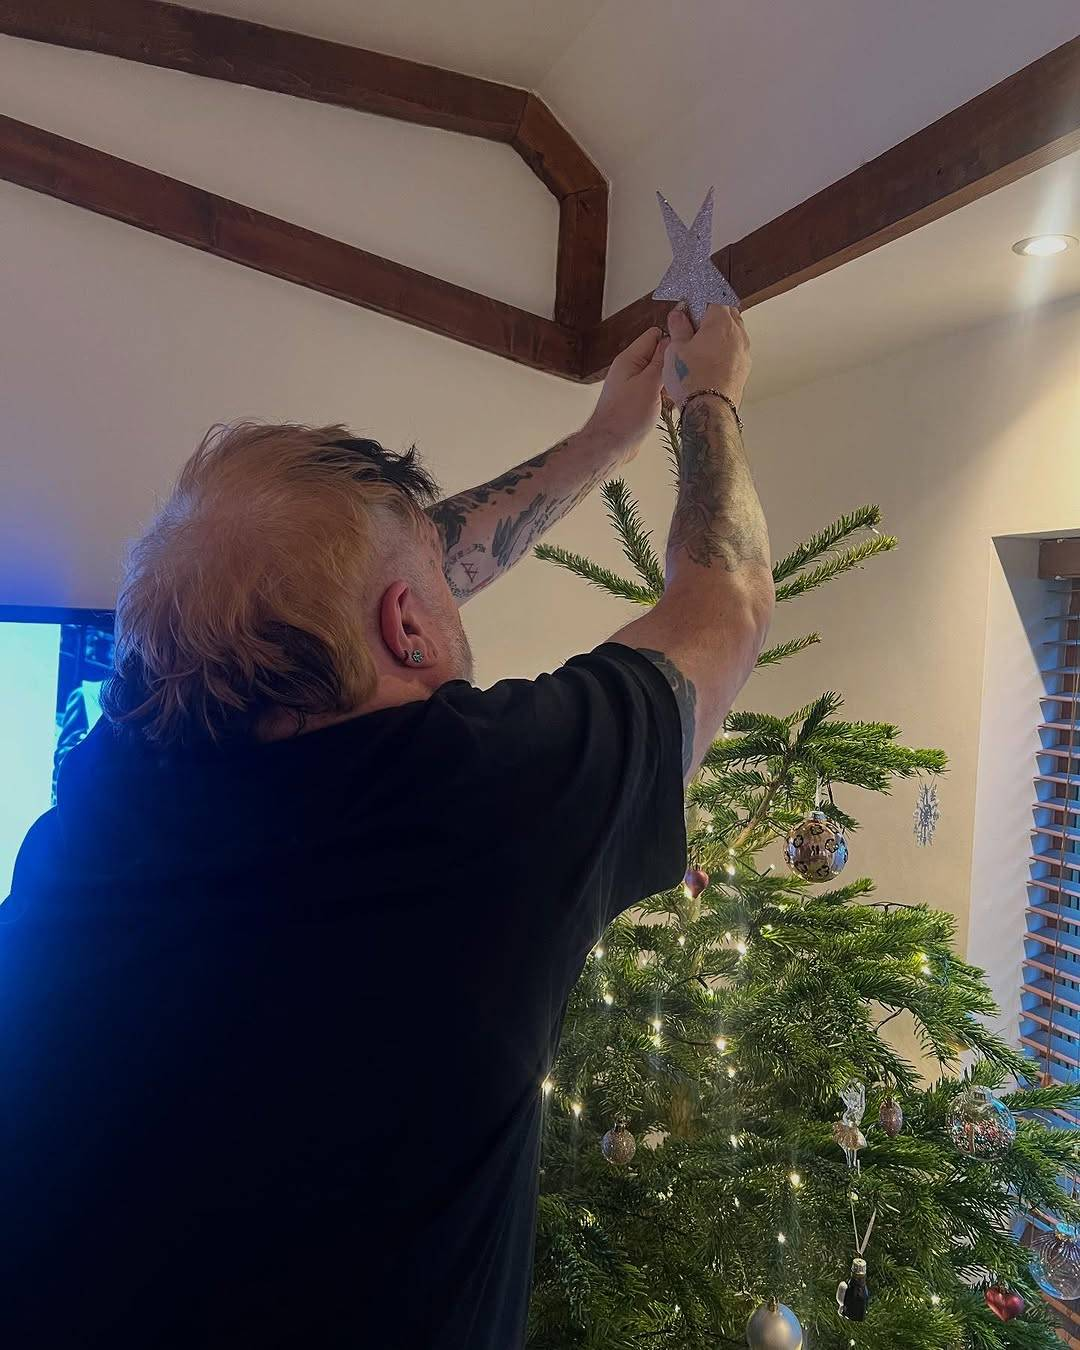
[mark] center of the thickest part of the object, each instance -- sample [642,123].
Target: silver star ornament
[692,276]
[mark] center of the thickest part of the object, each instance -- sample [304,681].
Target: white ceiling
[958,271]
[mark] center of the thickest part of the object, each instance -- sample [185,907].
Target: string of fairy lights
[725,1048]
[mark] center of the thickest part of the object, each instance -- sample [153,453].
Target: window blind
[1050,991]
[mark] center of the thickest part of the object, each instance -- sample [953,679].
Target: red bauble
[695,882]
[1002,1304]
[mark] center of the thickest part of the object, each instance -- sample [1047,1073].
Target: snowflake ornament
[927,815]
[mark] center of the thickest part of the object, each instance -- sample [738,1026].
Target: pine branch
[835,566]
[772,656]
[635,539]
[824,541]
[596,575]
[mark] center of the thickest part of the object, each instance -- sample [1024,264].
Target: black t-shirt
[274,1020]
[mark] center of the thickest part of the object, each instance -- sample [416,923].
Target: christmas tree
[726,1124]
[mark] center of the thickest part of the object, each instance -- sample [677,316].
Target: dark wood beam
[579,277]
[224,48]
[99,182]
[1021,124]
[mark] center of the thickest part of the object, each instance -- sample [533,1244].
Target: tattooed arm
[487,529]
[706,632]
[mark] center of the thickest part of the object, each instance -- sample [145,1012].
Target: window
[1050,993]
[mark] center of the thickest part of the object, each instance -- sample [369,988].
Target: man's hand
[717,356]
[629,404]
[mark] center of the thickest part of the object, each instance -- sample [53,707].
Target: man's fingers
[679,325]
[657,361]
[641,351]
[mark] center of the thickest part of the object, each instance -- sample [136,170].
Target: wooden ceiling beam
[1026,121]
[223,48]
[99,182]
[1021,124]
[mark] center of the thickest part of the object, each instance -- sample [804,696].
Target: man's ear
[400,627]
[392,620]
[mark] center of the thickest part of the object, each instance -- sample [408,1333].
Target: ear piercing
[416,657]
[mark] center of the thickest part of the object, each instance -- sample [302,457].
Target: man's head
[292,578]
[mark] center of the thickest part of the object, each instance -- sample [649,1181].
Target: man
[283,972]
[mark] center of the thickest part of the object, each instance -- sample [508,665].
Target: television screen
[52,665]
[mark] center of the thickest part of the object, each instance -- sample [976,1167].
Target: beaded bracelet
[715,393]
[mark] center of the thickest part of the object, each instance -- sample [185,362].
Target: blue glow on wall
[29,659]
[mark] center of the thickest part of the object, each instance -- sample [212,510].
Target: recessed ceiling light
[1043,245]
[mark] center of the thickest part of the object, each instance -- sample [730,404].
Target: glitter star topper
[692,276]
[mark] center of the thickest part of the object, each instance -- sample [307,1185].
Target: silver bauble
[816,848]
[979,1125]
[774,1327]
[1056,1267]
[618,1146]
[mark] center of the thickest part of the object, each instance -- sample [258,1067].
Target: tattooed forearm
[685,697]
[718,517]
[502,519]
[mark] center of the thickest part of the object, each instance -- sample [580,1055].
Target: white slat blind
[1050,995]
[1050,1016]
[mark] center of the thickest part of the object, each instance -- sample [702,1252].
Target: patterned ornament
[979,1125]
[692,276]
[1056,1267]
[618,1146]
[694,882]
[927,815]
[774,1327]
[891,1117]
[1003,1304]
[853,1294]
[816,848]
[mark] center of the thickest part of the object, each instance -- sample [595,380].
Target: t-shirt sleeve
[582,769]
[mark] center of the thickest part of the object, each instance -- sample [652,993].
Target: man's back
[276,1018]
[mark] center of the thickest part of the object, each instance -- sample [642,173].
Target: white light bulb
[767,928]
[734,1141]
[721,1044]
[709,828]
[925,969]
[727,937]
[740,947]
[599,953]
[577,1108]
[731,1073]
[781,1238]
[730,869]
[736,1201]
[731,853]
[935,1299]
[609,997]
[547,1087]
[656,1024]
[682,941]
[658,1041]
[1043,245]
[795,1179]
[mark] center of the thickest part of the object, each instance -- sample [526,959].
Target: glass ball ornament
[979,1125]
[618,1146]
[1056,1267]
[816,848]
[774,1326]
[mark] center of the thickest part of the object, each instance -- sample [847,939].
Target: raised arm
[706,632]
[488,528]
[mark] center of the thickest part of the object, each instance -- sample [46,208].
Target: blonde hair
[246,595]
